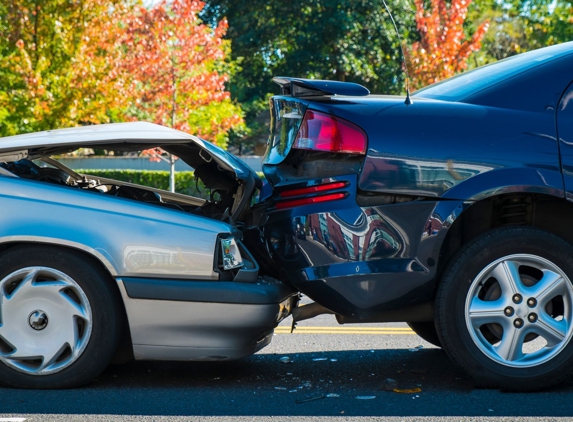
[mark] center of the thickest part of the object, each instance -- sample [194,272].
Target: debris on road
[365,397]
[313,398]
[415,349]
[319,359]
[332,395]
[389,384]
[408,390]
[285,359]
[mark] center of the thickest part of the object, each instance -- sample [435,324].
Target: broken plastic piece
[322,396]
[389,384]
[408,391]
[365,397]
[285,359]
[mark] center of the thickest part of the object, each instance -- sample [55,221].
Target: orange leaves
[443,48]
[113,60]
[173,63]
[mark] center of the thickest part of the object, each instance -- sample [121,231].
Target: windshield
[469,83]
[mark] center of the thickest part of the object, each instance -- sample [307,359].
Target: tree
[520,25]
[178,70]
[39,46]
[347,40]
[75,62]
[444,48]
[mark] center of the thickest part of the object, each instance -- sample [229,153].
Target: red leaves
[443,49]
[172,60]
[111,60]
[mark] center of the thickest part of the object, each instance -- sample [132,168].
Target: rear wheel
[505,309]
[426,330]
[60,318]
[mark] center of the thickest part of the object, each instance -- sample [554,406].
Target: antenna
[408,100]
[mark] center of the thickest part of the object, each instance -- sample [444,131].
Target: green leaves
[185,181]
[76,62]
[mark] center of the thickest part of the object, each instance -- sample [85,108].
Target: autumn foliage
[68,62]
[175,62]
[443,48]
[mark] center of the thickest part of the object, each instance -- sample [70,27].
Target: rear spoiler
[298,87]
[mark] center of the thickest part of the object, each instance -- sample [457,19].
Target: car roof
[469,83]
[113,133]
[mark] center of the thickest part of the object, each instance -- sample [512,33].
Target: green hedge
[184,180]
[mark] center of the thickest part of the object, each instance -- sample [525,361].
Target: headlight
[231,254]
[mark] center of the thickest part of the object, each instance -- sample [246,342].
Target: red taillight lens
[313,200]
[323,132]
[312,189]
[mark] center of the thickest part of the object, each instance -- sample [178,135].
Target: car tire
[61,318]
[426,330]
[504,309]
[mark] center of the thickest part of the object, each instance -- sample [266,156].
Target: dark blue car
[452,213]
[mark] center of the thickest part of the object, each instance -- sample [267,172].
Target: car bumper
[199,320]
[361,261]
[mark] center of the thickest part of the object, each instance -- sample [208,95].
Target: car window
[469,83]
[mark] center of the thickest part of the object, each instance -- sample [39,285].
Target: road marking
[346,330]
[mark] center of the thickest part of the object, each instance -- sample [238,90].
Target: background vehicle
[93,268]
[451,213]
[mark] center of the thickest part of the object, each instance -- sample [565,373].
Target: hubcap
[519,310]
[38,320]
[45,320]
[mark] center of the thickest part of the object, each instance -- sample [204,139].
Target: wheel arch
[540,210]
[100,258]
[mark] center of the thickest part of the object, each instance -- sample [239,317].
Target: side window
[537,90]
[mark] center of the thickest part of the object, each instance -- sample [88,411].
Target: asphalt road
[350,366]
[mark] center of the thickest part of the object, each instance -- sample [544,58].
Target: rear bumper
[197,320]
[361,262]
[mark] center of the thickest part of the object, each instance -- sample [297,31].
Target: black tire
[426,330]
[106,321]
[484,339]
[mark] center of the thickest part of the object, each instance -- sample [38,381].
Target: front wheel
[60,318]
[504,309]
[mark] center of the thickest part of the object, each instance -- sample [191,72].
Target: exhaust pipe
[300,313]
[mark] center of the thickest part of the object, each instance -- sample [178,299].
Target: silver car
[93,269]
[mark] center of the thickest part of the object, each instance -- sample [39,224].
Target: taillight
[312,189]
[308,201]
[323,132]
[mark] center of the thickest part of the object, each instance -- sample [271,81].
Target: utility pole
[173,105]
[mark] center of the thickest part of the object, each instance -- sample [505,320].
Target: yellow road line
[346,330]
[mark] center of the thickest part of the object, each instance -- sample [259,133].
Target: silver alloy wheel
[519,310]
[45,320]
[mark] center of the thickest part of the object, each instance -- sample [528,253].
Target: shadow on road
[263,385]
